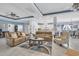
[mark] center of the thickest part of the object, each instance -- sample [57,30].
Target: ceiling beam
[38,11]
[25,17]
[38,8]
[7,17]
[59,12]
[52,13]
[17,18]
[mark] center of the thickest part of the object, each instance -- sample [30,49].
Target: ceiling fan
[13,15]
[75,6]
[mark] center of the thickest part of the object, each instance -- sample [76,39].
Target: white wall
[11,28]
[67,17]
[20,28]
[26,28]
[4,27]
[45,20]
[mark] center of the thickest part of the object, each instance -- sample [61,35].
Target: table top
[38,39]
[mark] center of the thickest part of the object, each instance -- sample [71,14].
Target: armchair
[64,38]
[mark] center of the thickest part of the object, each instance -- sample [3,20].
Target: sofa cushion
[23,34]
[45,35]
[14,35]
[18,33]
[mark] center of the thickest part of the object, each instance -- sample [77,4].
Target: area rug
[35,48]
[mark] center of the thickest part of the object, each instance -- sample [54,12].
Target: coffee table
[39,42]
[33,41]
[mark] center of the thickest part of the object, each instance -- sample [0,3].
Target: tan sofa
[64,38]
[15,38]
[46,35]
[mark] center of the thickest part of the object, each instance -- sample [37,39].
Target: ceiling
[53,7]
[29,10]
[20,9]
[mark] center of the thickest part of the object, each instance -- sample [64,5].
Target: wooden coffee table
[33,41]
[39,44]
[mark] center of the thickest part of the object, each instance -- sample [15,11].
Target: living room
[36,29]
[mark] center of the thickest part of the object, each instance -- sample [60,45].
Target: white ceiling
[53,7]
[31,9]
[28,9]
[19,9]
